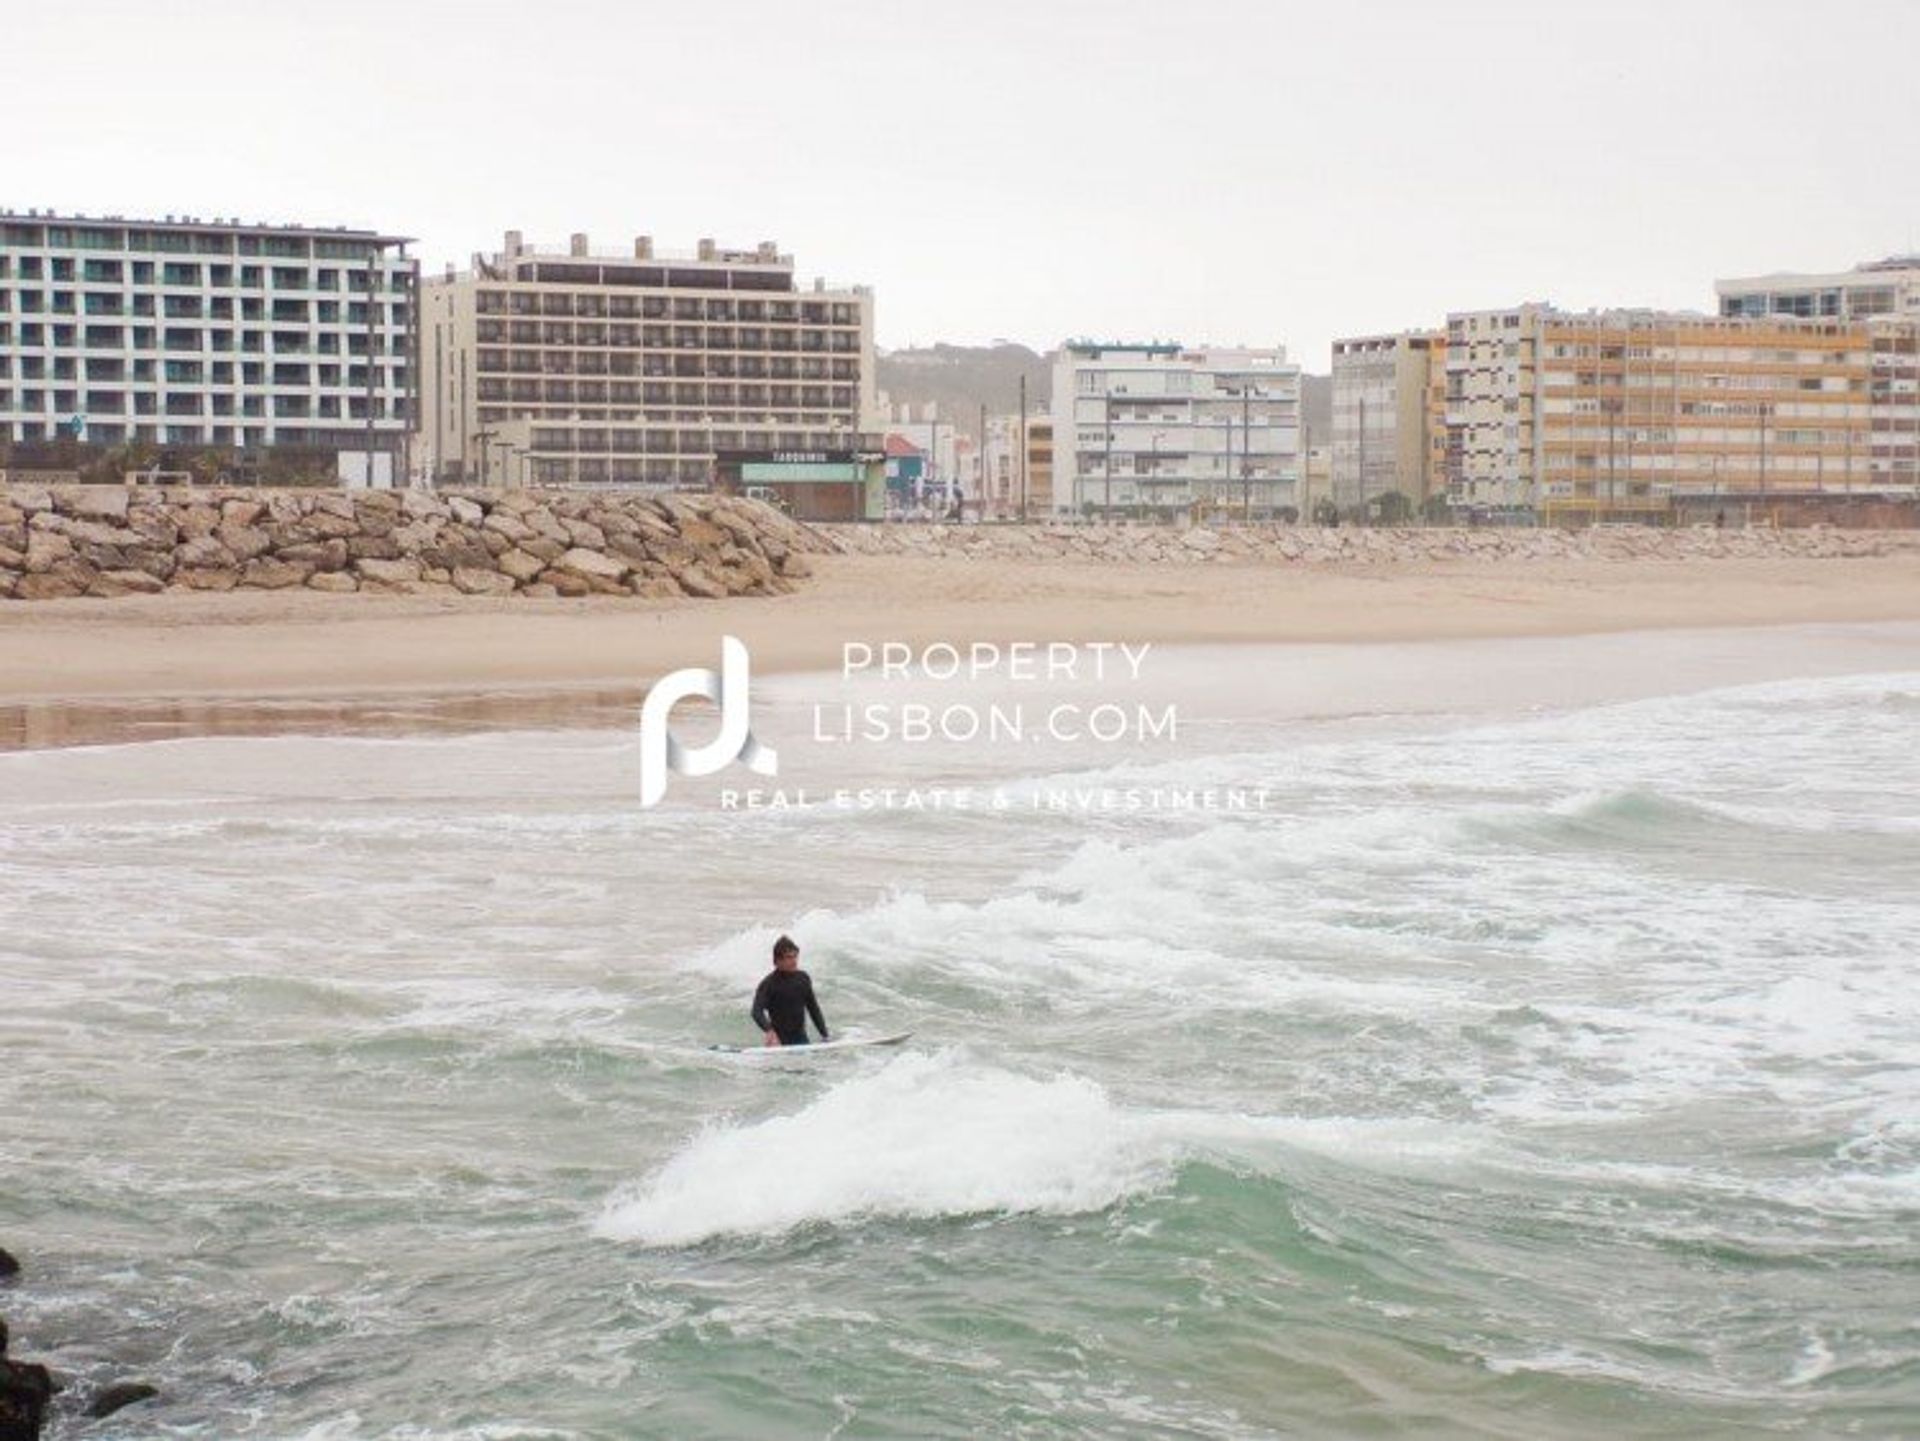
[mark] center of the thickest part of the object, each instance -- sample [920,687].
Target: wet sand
[74,672]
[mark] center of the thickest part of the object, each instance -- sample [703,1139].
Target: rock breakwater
[1316,545]
[112,541]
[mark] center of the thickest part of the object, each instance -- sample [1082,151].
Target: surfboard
[791,1053]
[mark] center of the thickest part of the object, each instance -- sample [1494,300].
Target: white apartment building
[205,335]
[1492,359]
[582,368]
[1158,431]
[1380,417]
[1874,289]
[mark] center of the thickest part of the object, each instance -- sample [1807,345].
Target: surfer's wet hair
[785,947]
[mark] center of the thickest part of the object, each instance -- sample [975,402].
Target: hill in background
[962,378]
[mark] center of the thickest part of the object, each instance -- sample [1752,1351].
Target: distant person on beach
[785,999]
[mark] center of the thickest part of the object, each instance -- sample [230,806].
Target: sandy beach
[86,670]
[301,644]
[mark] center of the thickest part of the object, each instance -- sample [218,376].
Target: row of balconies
[627,307]
[100,404]
[624,440]
[220,343]
[810,397]
[195,373]
[838,425]
[215,307]
[684,367]
[141,275]
[617,337]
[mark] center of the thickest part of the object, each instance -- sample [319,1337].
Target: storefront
[808,484]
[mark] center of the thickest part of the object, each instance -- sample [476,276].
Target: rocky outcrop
[1316,545]
[106,541]
[27,1389]
[119,1396]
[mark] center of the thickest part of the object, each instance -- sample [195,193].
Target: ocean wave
[926,1136]
[938,1136]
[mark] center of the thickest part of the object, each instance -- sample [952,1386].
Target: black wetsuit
[782,1004]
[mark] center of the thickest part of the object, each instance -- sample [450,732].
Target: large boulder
[263,573]
[45,549]
[517,565]
[62,581]
[388,572]
[125,582]
[207,577]
[699,581]
[99,501]
[320,554]
[508,524]
[469,580]
[593,564]
[243,541]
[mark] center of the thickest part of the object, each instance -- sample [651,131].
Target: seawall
[87,540]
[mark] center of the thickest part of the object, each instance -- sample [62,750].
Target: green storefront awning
[789,472]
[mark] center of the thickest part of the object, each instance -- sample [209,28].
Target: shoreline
[78,671]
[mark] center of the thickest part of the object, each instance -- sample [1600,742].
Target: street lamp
[1106,507]
[1153,462]
[1246,389]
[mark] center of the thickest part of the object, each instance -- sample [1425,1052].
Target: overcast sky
[1201,170]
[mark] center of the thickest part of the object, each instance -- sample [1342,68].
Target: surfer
[785,999]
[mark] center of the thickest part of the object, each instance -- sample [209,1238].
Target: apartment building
[1894,406]
[206,334]
[1492,463]
[1625,415]
[1040,488]
[1434,466]
[1017,468]
[579,368]
[1873,289]
[1158,431]
[1381,417]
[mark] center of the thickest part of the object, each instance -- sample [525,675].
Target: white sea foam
[938,1135]
[923,1136]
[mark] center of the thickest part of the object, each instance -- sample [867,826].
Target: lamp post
[1153,463]
[1106,506]
[1246,389]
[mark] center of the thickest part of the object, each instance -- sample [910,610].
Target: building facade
[1492,460]
[1634,415]
[1381,417]
[1875,289]
[1894,406]
[206,335]
[576,368]
[1159,431]
[1040,493]
[819,485]
[1017,473]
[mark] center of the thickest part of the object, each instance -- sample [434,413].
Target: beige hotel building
[577,368]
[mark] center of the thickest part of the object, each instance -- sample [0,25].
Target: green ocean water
[1522,1076]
